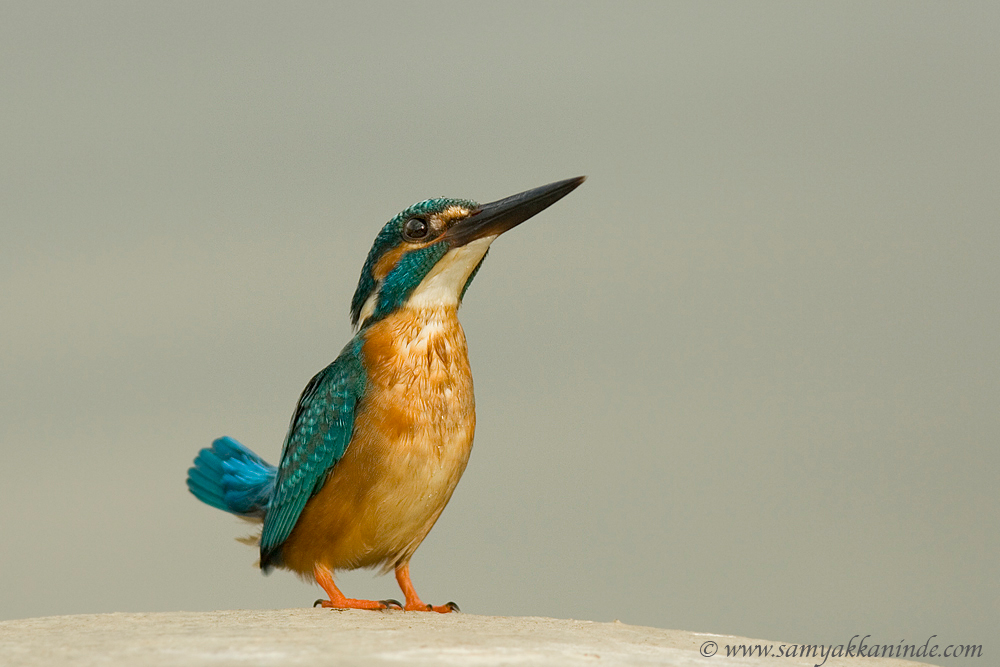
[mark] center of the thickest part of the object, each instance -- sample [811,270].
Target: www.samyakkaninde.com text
[858,647]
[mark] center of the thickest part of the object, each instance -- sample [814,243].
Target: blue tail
[231,477]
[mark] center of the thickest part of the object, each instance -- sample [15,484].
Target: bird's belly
[381,499]
[415,484]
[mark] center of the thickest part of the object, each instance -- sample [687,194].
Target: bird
[379,438]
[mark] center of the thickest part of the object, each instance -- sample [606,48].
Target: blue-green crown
[412,266]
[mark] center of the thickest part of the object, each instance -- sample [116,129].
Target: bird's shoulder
[324,408]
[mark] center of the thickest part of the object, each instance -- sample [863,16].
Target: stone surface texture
[318,637]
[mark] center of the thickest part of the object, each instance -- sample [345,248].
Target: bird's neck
[421,340]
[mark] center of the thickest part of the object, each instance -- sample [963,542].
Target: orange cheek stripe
[386,263]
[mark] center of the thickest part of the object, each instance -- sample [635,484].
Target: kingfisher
[381,436]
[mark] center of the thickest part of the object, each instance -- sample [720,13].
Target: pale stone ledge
[318,637]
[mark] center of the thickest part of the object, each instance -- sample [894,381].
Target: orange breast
[413,432]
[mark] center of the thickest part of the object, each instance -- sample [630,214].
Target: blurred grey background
[744,380]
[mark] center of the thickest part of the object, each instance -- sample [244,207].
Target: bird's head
[427,255]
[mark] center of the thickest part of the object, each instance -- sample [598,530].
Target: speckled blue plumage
[319,433]
[388,238]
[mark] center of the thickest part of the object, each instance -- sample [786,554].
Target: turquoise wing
[317,437]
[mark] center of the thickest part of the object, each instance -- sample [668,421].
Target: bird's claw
[453,606]
[318,602]
[392,604]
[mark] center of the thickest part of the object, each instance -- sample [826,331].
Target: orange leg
[324,577]
[413,601]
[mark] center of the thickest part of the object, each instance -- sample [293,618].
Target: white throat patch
[443,285]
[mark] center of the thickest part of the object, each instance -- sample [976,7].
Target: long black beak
[497,217]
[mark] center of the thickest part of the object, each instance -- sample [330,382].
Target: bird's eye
[414,229]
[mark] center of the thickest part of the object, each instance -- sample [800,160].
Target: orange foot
[337,600]
[413,601]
